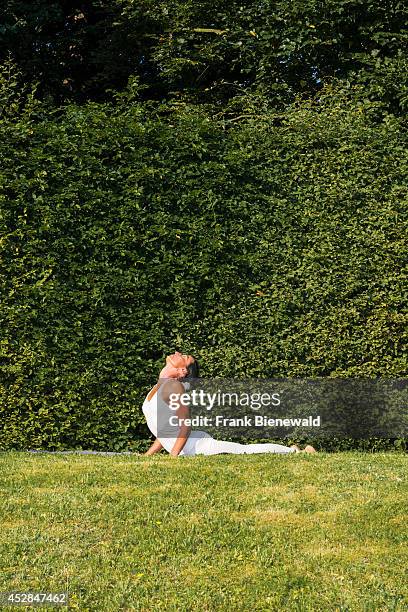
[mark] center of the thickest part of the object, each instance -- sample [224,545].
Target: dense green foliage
[271,247]
[261,228]
[207,51]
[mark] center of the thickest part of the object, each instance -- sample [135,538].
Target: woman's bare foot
[309,449]
[296,447]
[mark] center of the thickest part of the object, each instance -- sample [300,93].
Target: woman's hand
[155,448]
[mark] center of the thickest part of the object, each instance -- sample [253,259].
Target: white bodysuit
[157,413]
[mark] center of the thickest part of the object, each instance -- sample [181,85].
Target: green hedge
[272,245]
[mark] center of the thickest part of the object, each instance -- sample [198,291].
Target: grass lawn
[256,532]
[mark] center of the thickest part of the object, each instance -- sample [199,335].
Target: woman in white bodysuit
[176,440]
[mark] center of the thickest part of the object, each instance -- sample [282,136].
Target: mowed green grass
[255,532]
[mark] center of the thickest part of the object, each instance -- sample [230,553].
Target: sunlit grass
[254,532]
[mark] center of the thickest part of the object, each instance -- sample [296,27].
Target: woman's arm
[182,412]
[155,448]
[173,390]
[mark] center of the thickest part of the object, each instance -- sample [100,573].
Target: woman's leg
[267,448]
[210,446]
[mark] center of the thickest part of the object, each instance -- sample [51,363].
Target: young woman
[176,439]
